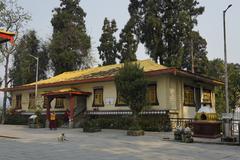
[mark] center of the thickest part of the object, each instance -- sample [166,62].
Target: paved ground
[36,144]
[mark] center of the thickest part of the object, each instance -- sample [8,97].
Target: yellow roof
[98,72]
[8,33]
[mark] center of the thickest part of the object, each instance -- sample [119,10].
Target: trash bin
[32,121]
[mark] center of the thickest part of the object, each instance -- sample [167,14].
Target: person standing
[66,117]
[53,124]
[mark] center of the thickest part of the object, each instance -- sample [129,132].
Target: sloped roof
[98,72]
[66,91]
[6,36]
[107,73]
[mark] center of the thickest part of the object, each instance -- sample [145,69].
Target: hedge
[147,122]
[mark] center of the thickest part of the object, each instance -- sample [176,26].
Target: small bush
[16,119]
[146,122]
[91,125]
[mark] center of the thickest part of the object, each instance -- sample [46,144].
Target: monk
[53,124]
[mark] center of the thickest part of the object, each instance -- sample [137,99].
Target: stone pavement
[35,144]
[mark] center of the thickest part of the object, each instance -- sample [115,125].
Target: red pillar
[48,106]
[71,107]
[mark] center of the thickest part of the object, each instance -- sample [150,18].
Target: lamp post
[36,86]
[225,60]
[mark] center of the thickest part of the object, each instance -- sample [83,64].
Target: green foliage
[234,85]
[16,119]
[132,86]
[38,110]
[128,43]
[24,66]
[108,47]
[164,27]
[1,6]
[216,70]
[91,125]
[199,49]
[70,45]
[13,17]
[146,122]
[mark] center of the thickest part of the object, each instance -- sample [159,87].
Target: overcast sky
[210,24]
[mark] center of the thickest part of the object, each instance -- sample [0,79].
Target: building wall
[170,94]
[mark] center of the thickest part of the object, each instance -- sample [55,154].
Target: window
[206,96]
[31,104]
[98,97]
[18,102]
[151,94]
[59,103]
[120,101]
[188,96]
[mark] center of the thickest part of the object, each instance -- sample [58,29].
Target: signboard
[109,101]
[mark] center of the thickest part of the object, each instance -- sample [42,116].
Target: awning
[66,92]
[6,36]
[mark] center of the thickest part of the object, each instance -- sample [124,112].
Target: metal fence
[184,122]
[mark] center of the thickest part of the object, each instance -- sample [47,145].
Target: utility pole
[36,86]
[225,60]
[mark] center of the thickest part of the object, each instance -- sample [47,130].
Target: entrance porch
[76,103]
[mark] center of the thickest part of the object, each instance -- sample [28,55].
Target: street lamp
[225,60]
[36,87]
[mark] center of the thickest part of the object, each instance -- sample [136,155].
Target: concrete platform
[29,144]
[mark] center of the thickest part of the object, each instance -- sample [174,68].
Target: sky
[210,24]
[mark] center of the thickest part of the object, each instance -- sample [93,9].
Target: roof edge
[172,70]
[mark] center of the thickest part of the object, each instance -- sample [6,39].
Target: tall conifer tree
[164,25]
[128,43]
[108,46]
[70,45]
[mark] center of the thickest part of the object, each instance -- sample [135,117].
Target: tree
[24,66]
[234,85]
[108,47]
[132,86]
[13,17]
[198,46]
[216,70]
[128,43]
[164,26]
[70,44]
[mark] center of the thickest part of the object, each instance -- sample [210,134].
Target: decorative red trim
[173,71]
[67,93]
[7,37]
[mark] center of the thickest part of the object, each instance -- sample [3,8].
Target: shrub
[146,122]
[132,87]
[91,125]
[16,119]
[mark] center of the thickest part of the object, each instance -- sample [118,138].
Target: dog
[61,138]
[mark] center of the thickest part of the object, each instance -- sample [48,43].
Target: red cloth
[53,124]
